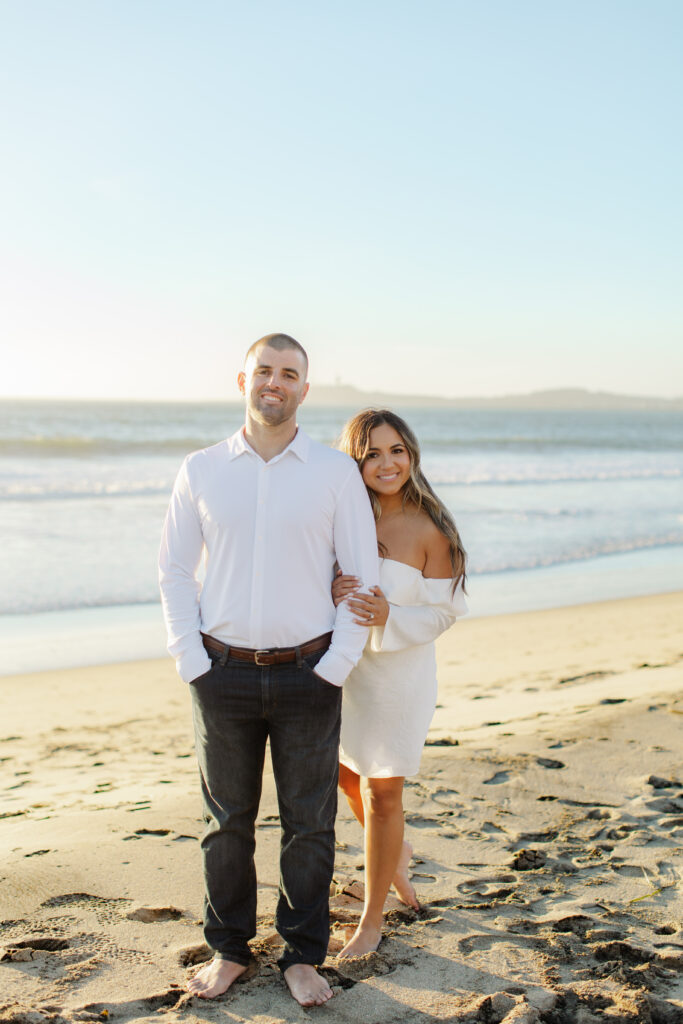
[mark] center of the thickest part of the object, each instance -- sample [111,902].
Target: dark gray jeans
[236,708]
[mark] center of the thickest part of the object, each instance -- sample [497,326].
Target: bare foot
[215,978]
[307,986]
[401,880]
[365,939]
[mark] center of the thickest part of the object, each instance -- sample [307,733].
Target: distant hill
[561,398]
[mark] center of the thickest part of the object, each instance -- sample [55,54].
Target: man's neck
[269,441]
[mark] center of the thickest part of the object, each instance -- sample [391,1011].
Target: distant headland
[346,396]
[558,398]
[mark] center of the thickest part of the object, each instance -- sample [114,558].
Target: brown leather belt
[269,656]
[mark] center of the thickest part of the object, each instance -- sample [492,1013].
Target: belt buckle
[262,654]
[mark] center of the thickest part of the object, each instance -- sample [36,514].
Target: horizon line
[413,396]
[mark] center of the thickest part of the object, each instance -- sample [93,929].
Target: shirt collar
[299,446]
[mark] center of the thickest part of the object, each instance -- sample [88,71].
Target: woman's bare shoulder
[437,550]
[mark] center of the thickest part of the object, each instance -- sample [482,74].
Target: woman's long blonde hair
[355,441]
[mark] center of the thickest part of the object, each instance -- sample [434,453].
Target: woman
[390,697]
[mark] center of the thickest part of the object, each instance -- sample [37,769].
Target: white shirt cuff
[193,664]
[333,667]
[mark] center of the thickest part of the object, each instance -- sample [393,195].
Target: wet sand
[547,824]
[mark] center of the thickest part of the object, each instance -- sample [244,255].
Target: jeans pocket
[309,665]
[310,662]
[205,675]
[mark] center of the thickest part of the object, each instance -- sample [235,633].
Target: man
[266,652]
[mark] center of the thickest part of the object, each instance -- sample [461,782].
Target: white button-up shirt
[270,533]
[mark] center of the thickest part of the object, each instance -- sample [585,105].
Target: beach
[465,216]
[547,824]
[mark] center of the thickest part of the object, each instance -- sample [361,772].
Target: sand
[547,823]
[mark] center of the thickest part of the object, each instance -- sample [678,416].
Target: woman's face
[387,464]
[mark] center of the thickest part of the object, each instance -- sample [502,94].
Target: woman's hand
[372,609]
[343,586]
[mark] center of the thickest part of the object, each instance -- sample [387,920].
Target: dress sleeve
[411,625]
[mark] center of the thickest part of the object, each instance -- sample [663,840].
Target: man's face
[274,384]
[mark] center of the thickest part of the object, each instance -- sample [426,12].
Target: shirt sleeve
[411,625]
[355,542]
[182,545]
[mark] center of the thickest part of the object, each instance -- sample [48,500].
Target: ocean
[553,507]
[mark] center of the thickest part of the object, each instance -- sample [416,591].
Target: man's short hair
[279,342]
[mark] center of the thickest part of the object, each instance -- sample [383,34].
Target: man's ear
[305,391]
[241,380]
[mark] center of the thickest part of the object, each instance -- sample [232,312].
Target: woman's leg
[349,783]
[383,808]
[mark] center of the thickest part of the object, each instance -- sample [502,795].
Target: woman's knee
[383,798]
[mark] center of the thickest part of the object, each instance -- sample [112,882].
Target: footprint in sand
[446,797]
[346,908]
[347,972]
[549,762]
[623,952]
[83,898]
[490,826]
[657,782]
[582,678]
[420,821]
[666,929]
[107,910]
[135,1009]
[621,832]
[598,814]
[148,915]
[666,805]
[483,942]
[522,838]
[487,888]
[190,955]
[578,924]
[42,942]
[628,870]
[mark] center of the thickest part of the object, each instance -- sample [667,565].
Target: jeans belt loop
[299,657]
[222,661]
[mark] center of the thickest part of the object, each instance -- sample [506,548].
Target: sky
[437,197]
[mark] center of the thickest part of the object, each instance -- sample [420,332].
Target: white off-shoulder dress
[390,696]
